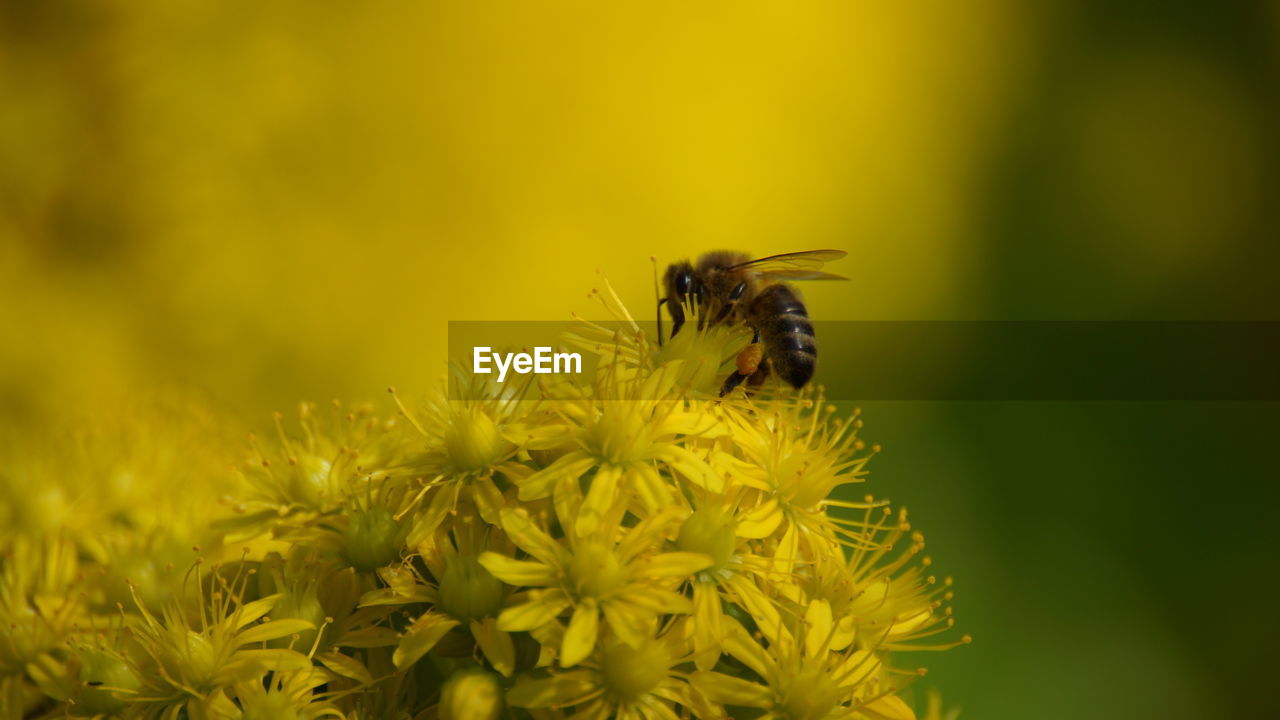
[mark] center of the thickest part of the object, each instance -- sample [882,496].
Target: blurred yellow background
[260,203]
[284,200]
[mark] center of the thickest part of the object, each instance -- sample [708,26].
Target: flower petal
[767,617]
[708,625]
[699,424]
[488,499]
[247,665]
[600,499]
[760,521]
[532,614]
[817,638]
[672,564]
[531,538]
[444,500]
[653,491]
[631,623]
[518,572]
[251,611]
[888,707]
[539,484]
[649,532]
[741,645]
[568,688]
[346,666]
[656,600]
[730,690]
[495,644]
[855,669]
[421,636]
[580,639]
[272,630]
[567,499]
[692,467]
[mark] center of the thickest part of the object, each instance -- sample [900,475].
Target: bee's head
[682,284]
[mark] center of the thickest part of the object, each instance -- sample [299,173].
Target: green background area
[1114,559]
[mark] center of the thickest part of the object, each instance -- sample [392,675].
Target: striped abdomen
[786,333]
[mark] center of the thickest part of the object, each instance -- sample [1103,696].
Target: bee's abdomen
[787,334]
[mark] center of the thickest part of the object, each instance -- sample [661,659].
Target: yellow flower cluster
[630,546]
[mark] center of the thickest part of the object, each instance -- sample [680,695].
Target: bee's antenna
[657,293]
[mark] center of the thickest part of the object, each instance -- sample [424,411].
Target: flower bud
[468,591]
[309,480]
[304,604]
[373,538]
[596,570]
[471,694]
[102,676]
[472,441]
[709,530]
[630,673]
[810,696]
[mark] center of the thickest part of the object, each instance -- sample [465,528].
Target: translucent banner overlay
[954,361]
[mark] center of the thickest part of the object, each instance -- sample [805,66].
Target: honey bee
[729,287]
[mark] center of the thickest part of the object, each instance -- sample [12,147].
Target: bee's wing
[794,266]
[798,274]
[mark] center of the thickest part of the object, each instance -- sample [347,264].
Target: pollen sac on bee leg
[750,358]
[758,377]
[751,365]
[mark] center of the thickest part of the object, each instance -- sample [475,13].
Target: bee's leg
[660,302]
[758,377]
[734,296]
[732,382]
[749,362]
[677,315]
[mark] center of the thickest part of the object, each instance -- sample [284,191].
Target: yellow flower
[191,662]
[614,572]
[93,678]
[627,443]
[38,603]
[40,608]
[801,677]
[734,578]
[463,594]
[314,474]
[471,433]
[621,681]
[887,588]
[286,695]
[631,546]
[792,454]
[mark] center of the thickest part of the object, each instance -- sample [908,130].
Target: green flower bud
[595,570]
[709,530]
[630,673]
[299,603]
[471,694]
[810,696]
[467,590]
[309,480]
[373,538]
[472,441]
[102,676]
